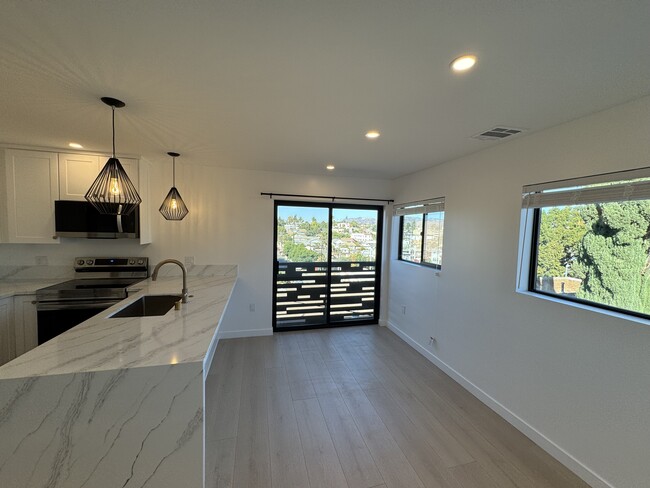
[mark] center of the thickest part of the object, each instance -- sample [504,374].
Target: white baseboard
[520,424]
[235,334]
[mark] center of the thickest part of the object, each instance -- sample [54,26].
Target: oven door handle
[53,306]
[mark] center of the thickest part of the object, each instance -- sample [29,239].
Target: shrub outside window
[591,242]
[421,232]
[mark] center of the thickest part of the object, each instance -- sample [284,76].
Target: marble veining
[115,403]
[67,432]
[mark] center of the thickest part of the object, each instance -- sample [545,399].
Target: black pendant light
[173,207]
[112,192]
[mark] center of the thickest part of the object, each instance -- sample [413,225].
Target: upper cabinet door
[131,168]
[129,165]
[32,184]
[76,173]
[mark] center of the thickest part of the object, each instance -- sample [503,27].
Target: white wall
[576,381]
[229,223]
[232,223]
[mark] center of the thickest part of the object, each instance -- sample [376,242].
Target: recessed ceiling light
[330,167]
[75,145]
[463,63]
[372,134]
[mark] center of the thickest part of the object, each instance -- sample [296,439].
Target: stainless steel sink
[148,306]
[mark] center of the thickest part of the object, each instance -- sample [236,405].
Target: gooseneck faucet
[154,275]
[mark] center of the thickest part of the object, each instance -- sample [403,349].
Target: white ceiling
[291,85]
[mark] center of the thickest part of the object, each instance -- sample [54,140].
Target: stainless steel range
[99,284]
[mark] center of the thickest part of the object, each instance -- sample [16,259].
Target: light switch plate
[189,260]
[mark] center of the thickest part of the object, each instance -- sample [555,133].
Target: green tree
[613,259]
[560,233]
[298,253]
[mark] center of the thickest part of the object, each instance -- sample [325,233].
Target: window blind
[420,207]
[609,187]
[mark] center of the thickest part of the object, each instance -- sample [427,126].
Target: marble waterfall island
[115,402]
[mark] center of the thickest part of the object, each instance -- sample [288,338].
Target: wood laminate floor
[357,407]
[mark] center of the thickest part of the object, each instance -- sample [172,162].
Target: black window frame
[378,264]
[532,276]
[401,240]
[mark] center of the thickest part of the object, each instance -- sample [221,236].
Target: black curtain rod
[271,195]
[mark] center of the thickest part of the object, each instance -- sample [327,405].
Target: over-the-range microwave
[81,219]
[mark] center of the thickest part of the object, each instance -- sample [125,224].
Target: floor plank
[299,381]
[341,375]
[321,379]
[450,451]
[220,464]
[322,461]
[357,463]
[287,461]
[252,460]
[223,390]
[473,476]
[391,461]
[413,442]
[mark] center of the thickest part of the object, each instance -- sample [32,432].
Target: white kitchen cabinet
[31,183]
[25,324]
[76,173]
[131,168]
[7,342]
[144,168]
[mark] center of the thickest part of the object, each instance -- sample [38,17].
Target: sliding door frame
[378,262]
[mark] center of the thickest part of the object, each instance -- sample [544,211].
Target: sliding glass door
[327,265]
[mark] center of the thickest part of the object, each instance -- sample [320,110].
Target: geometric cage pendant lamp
[173,207]
[112,192]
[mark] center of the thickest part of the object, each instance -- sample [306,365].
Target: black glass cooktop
[87,289]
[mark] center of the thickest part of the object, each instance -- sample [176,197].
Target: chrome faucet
[154,275]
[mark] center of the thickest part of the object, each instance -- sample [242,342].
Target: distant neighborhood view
[597,252]
[412,234]
[303,237]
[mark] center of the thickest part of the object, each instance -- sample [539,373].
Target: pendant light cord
[174,171]
[113,131]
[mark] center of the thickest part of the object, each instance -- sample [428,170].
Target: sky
[321,214]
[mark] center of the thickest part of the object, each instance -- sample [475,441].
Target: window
[591,240]
[421,228]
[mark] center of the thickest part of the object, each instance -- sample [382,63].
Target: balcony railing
[302,293]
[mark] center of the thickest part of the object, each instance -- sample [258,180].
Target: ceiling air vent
[497,133]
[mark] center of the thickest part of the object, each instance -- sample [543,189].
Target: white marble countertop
[102,343]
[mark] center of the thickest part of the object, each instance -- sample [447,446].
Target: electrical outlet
[251,307]
[189,260]
[41,260]
[403,309]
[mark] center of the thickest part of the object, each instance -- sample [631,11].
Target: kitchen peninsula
[116,402]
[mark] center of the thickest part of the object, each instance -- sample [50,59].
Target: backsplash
[36,272]
[202,270]
[26,273]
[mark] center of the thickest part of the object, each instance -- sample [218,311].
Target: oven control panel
[108,264]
